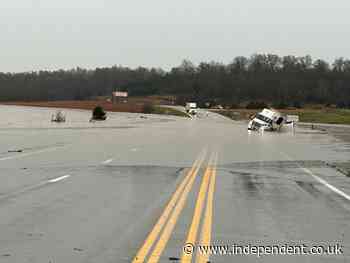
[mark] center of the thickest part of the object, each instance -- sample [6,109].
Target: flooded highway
[139,188]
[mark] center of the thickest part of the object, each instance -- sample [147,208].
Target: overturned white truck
[271,120]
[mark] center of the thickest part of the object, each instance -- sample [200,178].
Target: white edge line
[30,153]
[107,161]
[322,181]
[55,180]
[9,195]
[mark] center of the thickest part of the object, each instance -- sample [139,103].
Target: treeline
[75,84]
[261,77]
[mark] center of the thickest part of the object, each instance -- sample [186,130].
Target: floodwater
[91,192]
[36,118]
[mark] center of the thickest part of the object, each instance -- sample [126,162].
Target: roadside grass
[232,114]
[167,111]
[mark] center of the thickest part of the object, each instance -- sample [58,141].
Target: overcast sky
[54,34]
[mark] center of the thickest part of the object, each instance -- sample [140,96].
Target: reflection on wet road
[74,194]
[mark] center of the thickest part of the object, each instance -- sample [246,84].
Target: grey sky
[53,34]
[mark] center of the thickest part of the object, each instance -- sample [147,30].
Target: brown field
[134,104]
[85,105]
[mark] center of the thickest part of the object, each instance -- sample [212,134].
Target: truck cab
[191,108]
[267,120]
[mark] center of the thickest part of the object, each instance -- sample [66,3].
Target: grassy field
[168,111]
[324,115]
[333,116]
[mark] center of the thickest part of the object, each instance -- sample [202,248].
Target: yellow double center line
[208,217]
[161,232]
[207,186]
[175,206]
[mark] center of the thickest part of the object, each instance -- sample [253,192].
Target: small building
[118,96]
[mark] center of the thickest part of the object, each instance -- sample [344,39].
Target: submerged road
[135,189]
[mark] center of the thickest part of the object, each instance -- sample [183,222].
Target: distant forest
[262,77]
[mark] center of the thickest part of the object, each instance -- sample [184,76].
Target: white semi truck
[270,120]
[191,108]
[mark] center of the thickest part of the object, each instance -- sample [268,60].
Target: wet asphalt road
[93,192]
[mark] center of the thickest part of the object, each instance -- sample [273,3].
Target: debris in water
[15,151]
